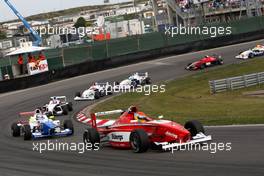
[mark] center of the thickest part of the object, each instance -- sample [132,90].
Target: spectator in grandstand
[31,58]
[20,62]
[41,56]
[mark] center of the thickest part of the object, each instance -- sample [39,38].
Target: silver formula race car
[40,126]
[96,91]
[134,80]
[58,105]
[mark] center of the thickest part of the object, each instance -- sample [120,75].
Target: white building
[125,28]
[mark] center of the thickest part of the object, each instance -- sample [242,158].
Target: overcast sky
[30,7]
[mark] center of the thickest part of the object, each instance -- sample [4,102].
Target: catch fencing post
[62,57]
[245,80]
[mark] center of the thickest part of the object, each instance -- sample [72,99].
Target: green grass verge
[189,98]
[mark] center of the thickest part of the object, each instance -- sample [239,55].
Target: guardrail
[234,83]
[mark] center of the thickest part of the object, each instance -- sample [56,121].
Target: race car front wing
[66,132]
[199,138]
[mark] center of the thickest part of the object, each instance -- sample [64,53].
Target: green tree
[89,24]
[81,22]
[2,35]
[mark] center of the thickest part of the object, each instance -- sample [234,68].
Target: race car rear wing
[142,74]
[100,114]
[103,83]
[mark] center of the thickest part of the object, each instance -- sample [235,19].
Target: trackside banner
[37,67]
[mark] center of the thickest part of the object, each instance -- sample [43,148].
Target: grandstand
[196,12]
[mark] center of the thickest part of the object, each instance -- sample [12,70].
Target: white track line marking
[235,126]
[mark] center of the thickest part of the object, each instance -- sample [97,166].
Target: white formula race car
[134,80]
[257,51]
[58,105]
[39,125]
[96,91]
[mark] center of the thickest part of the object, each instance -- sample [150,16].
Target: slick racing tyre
[92,136]
[102,93]
[194,127]
[69,105]
[27,133]
[15,130]
[148,81]
[67,124]
[64,110]
[251,55]
[109,91]
[78,94]
[139,141]
[202,66]
[134,83]
[220,62]
[97,95]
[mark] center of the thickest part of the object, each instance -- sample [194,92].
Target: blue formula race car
[40,125]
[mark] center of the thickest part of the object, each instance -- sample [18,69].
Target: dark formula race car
[134,129]
[207,61]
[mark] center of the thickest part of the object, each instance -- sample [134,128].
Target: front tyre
[92,136]
[69,105]
[194,127]
[67,124]
[139,141]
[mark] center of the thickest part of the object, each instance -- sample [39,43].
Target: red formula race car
[206,61]
[134,129]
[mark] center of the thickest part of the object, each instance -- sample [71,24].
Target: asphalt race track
[18,158]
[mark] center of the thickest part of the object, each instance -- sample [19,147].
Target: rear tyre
[139,141]
[97,95]
[67,124]
[15,130]
[102,93]
[148,81]
[250,55]
[194,127]
[64,110]
[78,94]
[134,84]
[202,66]
[220,62]
[91,135]
[109,91]
[70,106]
[27,133]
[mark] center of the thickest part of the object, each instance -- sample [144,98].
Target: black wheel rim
[135,142]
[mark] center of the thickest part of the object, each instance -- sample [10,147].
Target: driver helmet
[38,111]
[139,117]
[39,117]
[132,109]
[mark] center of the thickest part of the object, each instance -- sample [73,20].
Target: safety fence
[61,57]
[234,83]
